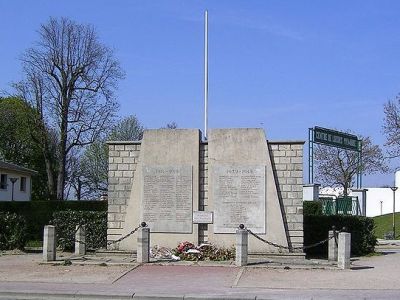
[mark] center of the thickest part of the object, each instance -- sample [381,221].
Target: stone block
[143,245]
[296,239]
[114,208]
[332,247]
[80,240]
[279,153]
[284,147]
[128,160]
[119,147]
[296,147]
[118,160]
[291,153]
[49,243]
[296,160]
[123,167]
[344,250]
[284,160]
[111,147]
[114,153]
[130,147]
[296,174]
[297,233]
[295,226]
[128,174]
[241,247]
[114,225]
[124,153]
[291,210]
[113,167]
[280,167]
[273,146]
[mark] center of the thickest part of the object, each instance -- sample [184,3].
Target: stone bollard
[143,244]
[80,240]
[332,246]
[49,243]
[344,250]
[241,246]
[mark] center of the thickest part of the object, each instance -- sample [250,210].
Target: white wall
[5,195]
[374,198]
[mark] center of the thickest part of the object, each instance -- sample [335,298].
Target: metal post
[381,207]
[394,188]
[310,155]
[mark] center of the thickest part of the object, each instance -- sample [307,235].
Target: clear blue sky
[282,65]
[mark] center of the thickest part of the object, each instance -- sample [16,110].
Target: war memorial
[187,189]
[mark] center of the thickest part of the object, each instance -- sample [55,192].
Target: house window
[3,181]
[22,184]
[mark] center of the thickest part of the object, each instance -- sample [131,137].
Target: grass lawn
[383,224]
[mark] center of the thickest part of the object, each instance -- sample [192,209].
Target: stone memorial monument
[189,190]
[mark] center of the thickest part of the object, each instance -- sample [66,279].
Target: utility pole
[394,188]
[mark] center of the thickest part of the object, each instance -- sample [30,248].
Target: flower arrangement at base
[188,251]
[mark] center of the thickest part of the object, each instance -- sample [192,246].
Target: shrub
[39,213]
[13,234]
[312,208]
[95,223]
[316,229]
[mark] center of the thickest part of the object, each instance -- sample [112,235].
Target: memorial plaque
[202,217]
[239,198]
[167,198]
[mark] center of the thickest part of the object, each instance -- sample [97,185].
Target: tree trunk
[62,148]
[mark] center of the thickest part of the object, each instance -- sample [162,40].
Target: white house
[15,182]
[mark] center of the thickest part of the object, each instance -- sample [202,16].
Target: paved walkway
[24,277]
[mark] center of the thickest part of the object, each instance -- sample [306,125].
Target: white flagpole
[206,75]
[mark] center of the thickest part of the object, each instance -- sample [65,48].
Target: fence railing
[340,206]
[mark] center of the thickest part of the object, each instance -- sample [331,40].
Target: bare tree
[70,79]
[391,126]
[171,125]
[338,167]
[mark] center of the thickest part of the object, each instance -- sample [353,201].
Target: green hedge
[316,229]
[13,232]
[39,213]
[312,208]
[95,224]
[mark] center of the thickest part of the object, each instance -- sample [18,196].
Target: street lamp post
[381,207]
[394,188]
[13,181]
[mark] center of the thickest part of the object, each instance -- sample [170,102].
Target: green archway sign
[332,138]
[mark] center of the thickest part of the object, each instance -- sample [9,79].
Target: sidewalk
[24,277]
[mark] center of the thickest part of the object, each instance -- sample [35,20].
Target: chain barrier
[142,225]
[292,248]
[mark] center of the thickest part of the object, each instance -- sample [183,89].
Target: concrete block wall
[122,160]
[287,162]
[203,201]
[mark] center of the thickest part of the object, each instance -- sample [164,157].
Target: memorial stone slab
[167,198]
[239,197]
[202,217]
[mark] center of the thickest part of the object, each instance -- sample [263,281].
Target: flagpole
[206,75]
